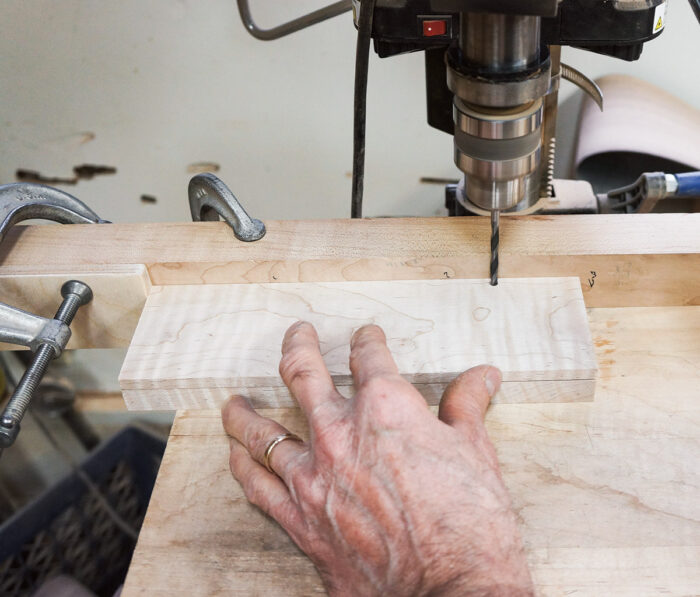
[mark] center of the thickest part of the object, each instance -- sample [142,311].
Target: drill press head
[492,72]
[499,73]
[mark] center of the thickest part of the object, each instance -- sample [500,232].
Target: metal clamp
[75,294]
[45,337]
[211,198]
[29,201]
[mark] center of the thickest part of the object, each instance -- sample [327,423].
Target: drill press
[493,72]
[492,79]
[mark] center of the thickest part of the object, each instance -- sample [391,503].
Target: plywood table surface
[606,492]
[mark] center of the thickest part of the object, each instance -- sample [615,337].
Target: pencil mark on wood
[591,280]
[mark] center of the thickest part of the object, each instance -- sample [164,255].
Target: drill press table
[606,491]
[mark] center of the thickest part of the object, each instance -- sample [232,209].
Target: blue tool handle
[688,184]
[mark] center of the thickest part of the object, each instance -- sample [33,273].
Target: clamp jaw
[210,199]
[28,201]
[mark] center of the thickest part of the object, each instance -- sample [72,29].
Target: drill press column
[499,43]
[499,73]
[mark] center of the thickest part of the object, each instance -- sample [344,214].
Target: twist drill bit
[495,240]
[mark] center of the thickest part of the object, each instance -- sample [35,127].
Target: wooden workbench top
[606,492]
[621,260]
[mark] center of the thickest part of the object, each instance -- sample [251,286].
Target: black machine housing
[601,26]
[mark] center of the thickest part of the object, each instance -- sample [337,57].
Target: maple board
[196,345]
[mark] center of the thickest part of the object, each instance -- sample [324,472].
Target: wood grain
[228,337]
[109,321]
[634,257]
[606,492]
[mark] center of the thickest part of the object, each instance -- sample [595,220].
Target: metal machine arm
[307,20]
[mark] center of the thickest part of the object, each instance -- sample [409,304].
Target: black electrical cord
[364,37]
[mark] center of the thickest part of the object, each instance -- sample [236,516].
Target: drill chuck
[499,152]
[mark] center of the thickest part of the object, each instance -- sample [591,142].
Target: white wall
[162,84]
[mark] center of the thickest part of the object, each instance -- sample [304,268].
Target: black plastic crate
[68,531]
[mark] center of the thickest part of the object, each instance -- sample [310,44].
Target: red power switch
[433,28]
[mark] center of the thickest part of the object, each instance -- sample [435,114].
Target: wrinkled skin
[385,497]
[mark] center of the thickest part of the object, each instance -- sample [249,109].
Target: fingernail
[492,379]
[353,337]
[294,327]
[289,334]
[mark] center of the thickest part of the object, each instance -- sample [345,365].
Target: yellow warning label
[659,21]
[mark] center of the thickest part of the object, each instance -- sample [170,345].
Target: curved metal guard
[312,18]
[211,198]
[576,77]
[29,201]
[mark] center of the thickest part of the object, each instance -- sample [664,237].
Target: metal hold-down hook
[211,198]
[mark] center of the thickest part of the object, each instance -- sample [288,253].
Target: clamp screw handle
[75,294]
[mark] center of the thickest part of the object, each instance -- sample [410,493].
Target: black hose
[364,37]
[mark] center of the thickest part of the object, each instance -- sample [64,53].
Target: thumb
[466,399]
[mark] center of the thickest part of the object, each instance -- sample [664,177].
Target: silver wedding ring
[276,442]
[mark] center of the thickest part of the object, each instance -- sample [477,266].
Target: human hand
[385,498]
